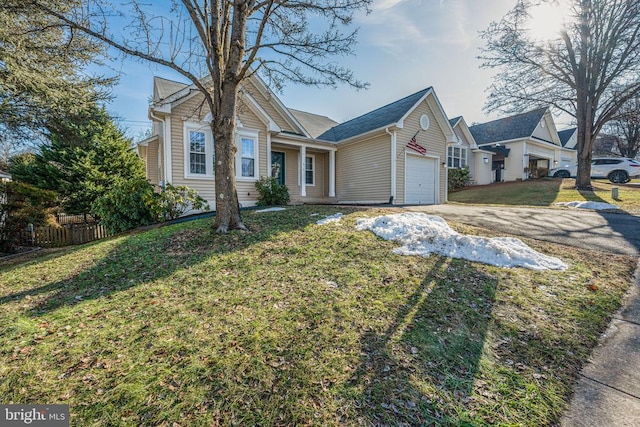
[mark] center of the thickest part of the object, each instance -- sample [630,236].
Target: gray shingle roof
[454,121]
[313,123]
[565,135]
[514,127]
[167,88]
[376,119]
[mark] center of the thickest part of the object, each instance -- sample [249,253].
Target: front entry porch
[308,171]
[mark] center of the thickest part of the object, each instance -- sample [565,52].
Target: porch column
[303,175]
[269,171]
[332,173]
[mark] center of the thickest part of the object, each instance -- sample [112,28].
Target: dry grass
[546,192]
[298,324]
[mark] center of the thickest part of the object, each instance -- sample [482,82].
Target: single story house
[394,154]
[524,145]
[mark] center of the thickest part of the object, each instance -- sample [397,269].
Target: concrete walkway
[608,391]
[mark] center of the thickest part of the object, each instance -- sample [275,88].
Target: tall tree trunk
[223,129]
[224,124]
[584,144]
[583,106]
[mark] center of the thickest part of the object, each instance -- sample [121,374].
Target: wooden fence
[72,234]
[63,219]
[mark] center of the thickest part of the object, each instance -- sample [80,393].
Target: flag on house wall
[413,144]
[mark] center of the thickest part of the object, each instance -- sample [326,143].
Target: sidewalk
[608,392]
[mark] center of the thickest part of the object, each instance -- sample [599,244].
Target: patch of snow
[588,205]
[276,209]
[329,219]
[422,234]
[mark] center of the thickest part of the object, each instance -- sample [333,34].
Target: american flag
[413,144]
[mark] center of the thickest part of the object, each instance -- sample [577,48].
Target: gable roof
[165,88]
[384,116]
[171,92]
[514,127]
[314,124]
[453,122]
[565,135]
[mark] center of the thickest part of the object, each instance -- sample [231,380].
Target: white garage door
[420,180]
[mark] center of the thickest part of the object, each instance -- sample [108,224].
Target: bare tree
[217,44]
[588,71]
[624,129]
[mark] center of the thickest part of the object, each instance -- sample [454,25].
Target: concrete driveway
[607,232]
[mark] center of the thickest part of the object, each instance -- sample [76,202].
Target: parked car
[615,169]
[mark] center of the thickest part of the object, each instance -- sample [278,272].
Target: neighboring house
[569,142]
[370,159]
[4,176]
[525,145]
[466,153]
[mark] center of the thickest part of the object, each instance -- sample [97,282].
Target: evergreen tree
[85,155]
[42,70]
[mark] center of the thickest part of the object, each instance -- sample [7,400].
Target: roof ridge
[513,116]
[387,105]
[171,80]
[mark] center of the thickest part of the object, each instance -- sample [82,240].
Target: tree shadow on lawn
[145,257]
[541,192]
[428,358]
[622,222]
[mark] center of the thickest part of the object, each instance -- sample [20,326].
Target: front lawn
[546,192]
[298,324]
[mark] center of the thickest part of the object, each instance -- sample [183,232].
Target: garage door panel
[420,180]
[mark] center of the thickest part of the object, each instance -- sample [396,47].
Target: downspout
[164,145]
[394,144]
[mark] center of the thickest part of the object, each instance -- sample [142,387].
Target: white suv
[615,169]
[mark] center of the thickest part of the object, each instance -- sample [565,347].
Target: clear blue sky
[404,46]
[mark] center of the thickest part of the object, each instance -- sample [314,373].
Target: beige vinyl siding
[190,111]
[433,139]
[513,163]
[321,168]
[545,152]
[151,160]
[543,132]
[160,159]
[317,192]
[290,171]
[268,107]
[363,170]
[482,174]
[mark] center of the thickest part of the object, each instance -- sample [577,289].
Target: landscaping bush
[175,201]
[271,192]
[20,205]
[458,178]
[126,205]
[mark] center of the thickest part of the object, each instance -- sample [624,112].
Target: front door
[498,166]
[277,166]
